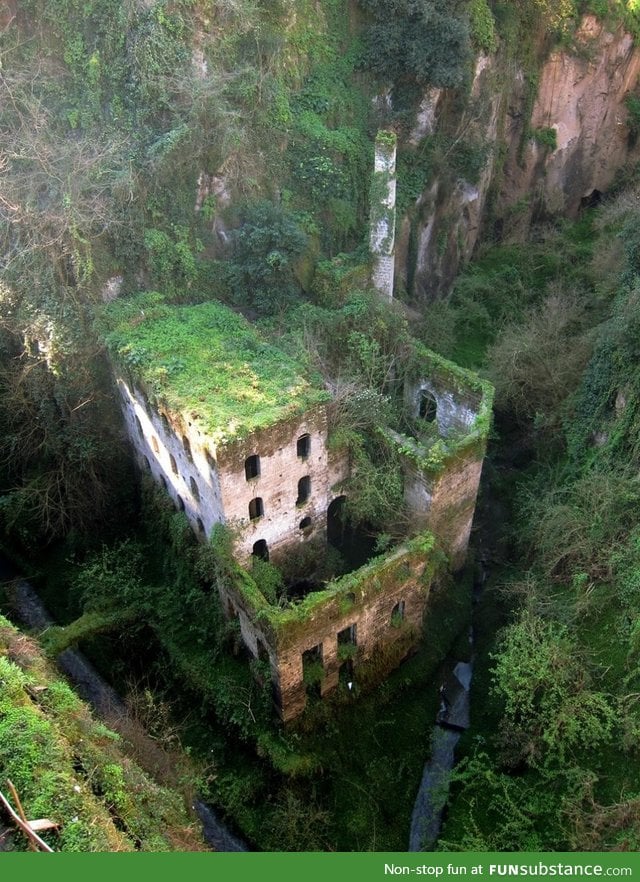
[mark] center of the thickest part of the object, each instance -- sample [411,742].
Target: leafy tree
[266,246]
[424,39]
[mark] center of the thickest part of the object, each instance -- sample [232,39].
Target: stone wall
[187,472]
[277,484]
[383,603]
[383,213]
[212,486]
[441,491]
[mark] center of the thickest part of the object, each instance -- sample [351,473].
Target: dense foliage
[559,718]
[222,150]
[424,39]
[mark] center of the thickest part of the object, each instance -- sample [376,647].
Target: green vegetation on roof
[207,362]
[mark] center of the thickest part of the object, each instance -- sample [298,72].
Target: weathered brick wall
[277,484]
[400,580]
[446,504]
[212,487]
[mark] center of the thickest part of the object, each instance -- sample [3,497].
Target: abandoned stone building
[237,434]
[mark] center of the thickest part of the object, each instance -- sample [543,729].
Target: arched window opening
[195,490]
[165,423]
[163,481]
[261,550]
[180,503]
[252,467]
[154,444]
[200,525]
[306,525]
[303,446]
[187,447]
[139,425]
[304,490]
[174,465]
[427,406]
[146,463]
[256,508]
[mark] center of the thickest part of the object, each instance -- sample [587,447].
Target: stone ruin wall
[445,503]
[383,215]
[161,452]
[280,470]
[378,589]
[211,485]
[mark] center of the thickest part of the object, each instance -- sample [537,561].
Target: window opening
[200,525]
[195,490]
[139,425]
[305,525]
[256,508]
[347,637]
[304,490]
[187,447]
[180,502]
[154,444]
[261,549]
[313,671]
[174,465]
[428,407]
[303,446]
[252,467]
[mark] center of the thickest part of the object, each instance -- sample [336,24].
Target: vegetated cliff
[531,143]
[72,769]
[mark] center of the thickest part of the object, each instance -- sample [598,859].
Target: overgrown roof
[208,363]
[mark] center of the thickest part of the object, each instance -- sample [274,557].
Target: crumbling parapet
[383,213]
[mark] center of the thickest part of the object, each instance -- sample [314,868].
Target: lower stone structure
[369,618]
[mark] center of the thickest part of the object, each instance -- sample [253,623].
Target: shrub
[546,137]
[549,709]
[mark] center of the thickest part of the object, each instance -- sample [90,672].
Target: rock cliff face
[580,96]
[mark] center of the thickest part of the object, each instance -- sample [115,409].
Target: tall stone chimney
[383,213]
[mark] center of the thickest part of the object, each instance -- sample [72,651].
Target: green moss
[208,363]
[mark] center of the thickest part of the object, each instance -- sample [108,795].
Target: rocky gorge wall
[575,99]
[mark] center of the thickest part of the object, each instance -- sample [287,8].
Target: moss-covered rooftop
[208,363]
